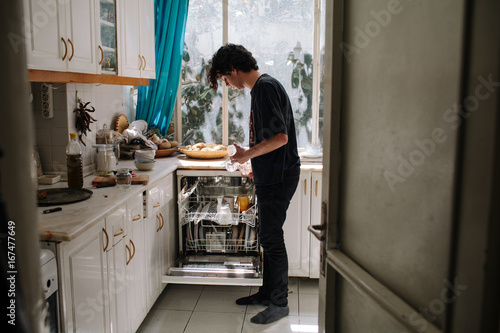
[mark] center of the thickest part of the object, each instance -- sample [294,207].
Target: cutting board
[136,180]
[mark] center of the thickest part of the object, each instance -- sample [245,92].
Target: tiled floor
[196,309]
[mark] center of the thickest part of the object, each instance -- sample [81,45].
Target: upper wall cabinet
[137,38]
[108,55]
[61,35]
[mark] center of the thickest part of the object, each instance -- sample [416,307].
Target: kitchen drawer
[135,211]
[152,200]
[116,225]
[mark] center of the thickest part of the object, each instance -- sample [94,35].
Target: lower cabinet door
[136,273]
[295,228]
[85,282]
[315,248]
[153,281]
[117,288]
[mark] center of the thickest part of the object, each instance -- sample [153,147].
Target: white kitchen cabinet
[315,246]
[116,259]
[297,238]
[135,270]
[153,224]
[168,232]
[304,210]
[84,281]
[61,35]
[137,37]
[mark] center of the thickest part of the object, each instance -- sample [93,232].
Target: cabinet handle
[305,186]
[72,49]
[138,217]
[140,67]
[316,188]
[143,68]
[65,49]
[162,221]
[157,205]
[119,232]
[159,223]
[129,254]
[133,253]
[107,239]
[102,55]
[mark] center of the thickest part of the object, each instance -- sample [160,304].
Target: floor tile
[212,322]
[284,325]
[174,298]
[293,286]
[308,286]
[160,321]
[220,301]
[308,305]
[308,324]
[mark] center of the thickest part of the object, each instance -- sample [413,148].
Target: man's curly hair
[227,58]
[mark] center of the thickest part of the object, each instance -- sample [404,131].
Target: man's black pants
[273,201]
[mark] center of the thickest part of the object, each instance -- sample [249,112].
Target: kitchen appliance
[50,289]
[218,239]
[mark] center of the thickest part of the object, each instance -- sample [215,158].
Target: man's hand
[241,155]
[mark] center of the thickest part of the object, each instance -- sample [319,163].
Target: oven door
[218,238]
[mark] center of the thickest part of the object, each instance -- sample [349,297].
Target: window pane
[201,107]
[322,66]
[280,35]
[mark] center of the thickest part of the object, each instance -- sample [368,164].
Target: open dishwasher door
[218,238]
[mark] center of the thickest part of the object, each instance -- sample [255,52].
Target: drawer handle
[65,49]
[107,239]
[157,205]
[102,55]
[162,221]
[133,253]
[138,217]
[119,232]
[129,254]
[159,223]
[72,49]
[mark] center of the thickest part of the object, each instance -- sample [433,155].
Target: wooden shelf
[70,77]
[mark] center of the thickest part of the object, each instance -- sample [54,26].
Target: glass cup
[243,202]
[123,178]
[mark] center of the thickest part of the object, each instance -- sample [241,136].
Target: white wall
[52,135]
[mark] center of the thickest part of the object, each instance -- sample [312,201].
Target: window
[286,38]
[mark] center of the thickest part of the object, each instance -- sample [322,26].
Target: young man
[275,166]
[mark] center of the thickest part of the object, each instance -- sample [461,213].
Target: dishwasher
[218,230]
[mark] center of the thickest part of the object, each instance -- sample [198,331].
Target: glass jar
[123,178]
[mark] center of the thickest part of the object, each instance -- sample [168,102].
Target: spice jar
[123,178]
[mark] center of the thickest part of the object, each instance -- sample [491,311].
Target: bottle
[230,166]
[74,163]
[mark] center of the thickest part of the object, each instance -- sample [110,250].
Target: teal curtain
[156,102]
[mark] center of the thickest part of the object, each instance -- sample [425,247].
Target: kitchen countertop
[76,218]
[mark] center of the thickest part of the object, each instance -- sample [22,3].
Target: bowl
[144,166]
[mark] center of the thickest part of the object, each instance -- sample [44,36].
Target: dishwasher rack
[205,227]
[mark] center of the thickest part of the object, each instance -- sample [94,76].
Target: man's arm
[242,155]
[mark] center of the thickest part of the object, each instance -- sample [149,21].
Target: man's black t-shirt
[272,114]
